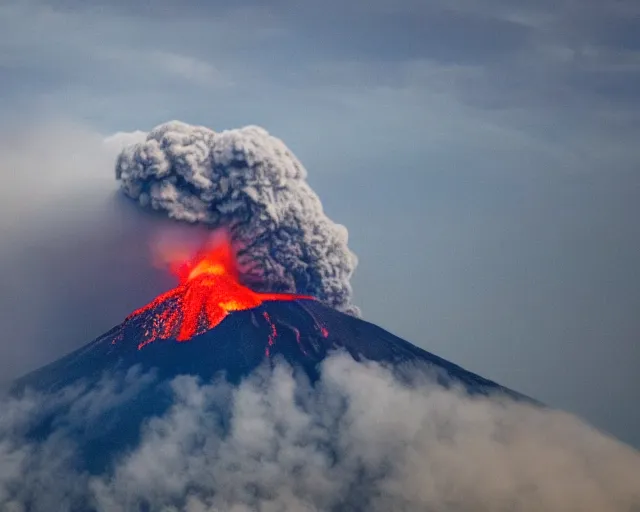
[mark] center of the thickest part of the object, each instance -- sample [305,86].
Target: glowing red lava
[209,290]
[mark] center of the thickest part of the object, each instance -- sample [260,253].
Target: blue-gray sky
[484,158]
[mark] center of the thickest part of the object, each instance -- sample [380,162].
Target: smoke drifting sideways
[74,257]
[364,437]
[251,184]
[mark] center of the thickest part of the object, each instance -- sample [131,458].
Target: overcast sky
[484,158]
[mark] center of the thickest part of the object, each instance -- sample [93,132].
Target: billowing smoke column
[250,183]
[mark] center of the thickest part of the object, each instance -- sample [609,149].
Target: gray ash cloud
[250,183]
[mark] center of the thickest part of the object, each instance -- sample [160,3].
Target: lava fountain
[209,289]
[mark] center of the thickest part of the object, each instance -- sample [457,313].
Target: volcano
[211,325]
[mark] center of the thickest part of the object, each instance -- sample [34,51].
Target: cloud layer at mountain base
[364,437]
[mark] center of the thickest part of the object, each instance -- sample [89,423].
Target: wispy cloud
[63,226]
[190,69]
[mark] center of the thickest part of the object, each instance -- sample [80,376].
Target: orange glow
[209,289]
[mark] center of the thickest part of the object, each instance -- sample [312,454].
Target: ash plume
[250,183]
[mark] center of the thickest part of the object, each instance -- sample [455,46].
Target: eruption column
[208,291]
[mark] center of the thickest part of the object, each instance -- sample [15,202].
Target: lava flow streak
[209,290]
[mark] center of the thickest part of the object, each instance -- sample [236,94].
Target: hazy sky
[483,157]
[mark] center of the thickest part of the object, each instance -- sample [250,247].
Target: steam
[360,439]
[250,183]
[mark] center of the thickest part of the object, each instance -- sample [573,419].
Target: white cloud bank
[360,440]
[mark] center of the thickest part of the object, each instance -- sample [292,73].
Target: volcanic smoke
[209,289]
[250,183]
